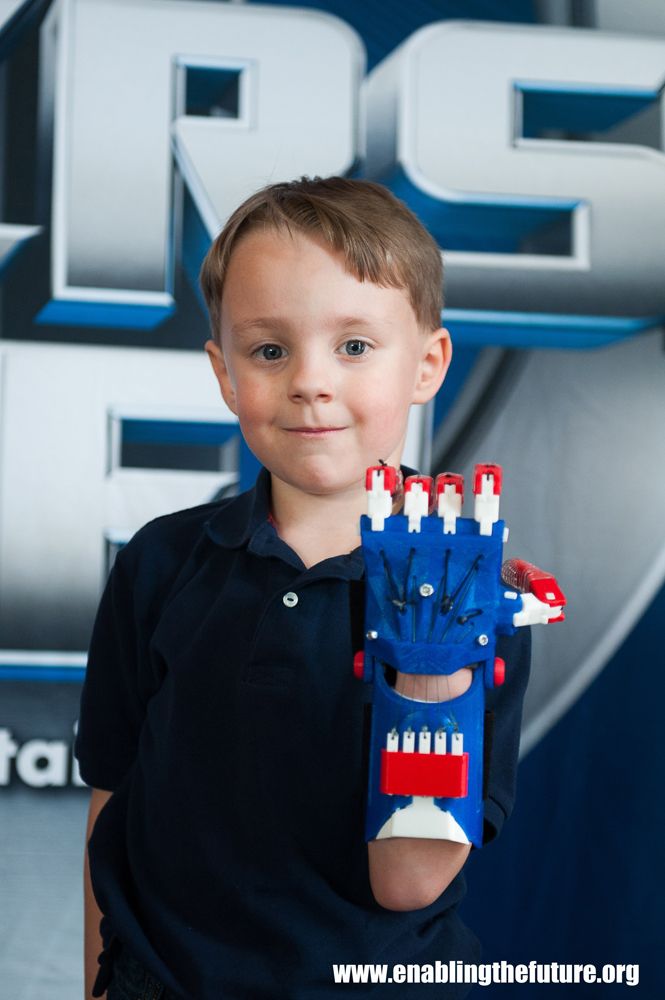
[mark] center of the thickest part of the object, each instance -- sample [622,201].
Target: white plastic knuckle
[486,512]
[379,507]
[449,508]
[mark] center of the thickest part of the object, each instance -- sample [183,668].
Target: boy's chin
[322,479]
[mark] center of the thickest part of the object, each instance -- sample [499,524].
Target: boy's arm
[92,913]
[409,873]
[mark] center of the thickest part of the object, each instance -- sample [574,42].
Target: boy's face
[319,367]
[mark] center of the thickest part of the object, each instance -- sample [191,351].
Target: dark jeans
[132,981]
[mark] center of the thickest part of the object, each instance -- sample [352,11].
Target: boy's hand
[92,914]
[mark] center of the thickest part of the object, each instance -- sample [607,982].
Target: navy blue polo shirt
[220,708]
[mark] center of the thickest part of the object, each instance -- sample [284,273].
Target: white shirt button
[290,599]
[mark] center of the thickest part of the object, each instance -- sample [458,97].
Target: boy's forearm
[92,944]
[408,873]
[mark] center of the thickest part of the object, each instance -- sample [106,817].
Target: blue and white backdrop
[529,138]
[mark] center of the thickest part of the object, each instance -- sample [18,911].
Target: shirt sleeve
[502,748]
[119,681]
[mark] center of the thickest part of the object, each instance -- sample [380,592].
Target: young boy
[221,727]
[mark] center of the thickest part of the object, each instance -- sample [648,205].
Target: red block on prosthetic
[487,470]
[426,482]
[449,479]
[499,671]
[444,776]
[389,475]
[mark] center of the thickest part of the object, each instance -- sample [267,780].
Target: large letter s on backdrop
[445,131]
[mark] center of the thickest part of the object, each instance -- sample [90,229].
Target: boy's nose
[310,378]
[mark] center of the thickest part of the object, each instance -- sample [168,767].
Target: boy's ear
[214,352]
[436,357]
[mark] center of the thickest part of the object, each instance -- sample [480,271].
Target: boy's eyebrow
[275,322]
[345,321]
[249,324]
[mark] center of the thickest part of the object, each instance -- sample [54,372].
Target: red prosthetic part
[527,578]
[391,477]
[499,671]
[487,470]
[426,483]
[359,665]
[449,479]
[443,776]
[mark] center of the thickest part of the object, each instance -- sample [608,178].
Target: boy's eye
[270,352]
[354,348]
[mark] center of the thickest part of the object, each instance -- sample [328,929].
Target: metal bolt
[426,590]
[371,634]
[482,640]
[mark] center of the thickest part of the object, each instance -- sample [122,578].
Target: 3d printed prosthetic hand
[437,596]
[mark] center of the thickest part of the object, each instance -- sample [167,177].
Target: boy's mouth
[313,431]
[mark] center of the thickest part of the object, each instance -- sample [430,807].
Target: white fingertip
[534,612]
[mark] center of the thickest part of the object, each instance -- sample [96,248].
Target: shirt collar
[236,520]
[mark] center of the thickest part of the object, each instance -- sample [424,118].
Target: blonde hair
[381,239]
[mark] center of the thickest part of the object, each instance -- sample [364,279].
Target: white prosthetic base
[423,819]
